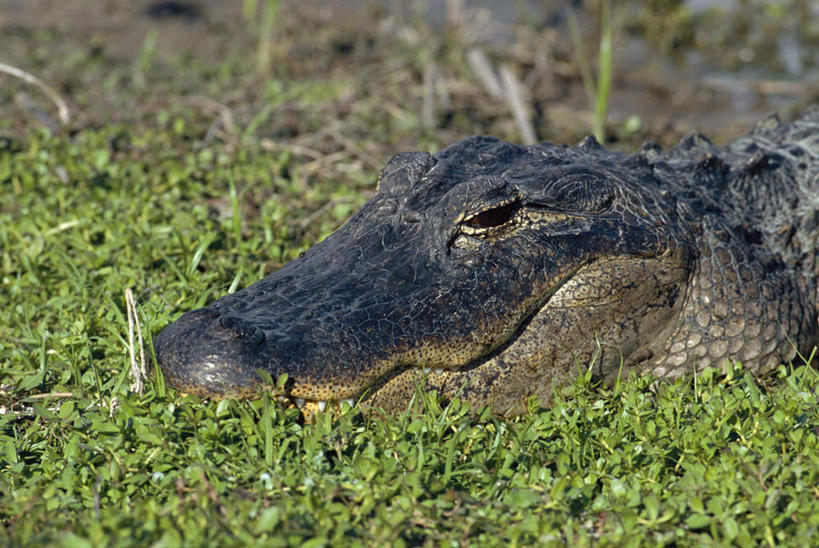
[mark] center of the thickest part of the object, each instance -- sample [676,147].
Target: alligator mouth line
[309,408]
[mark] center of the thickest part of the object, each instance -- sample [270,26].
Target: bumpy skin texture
[492,271]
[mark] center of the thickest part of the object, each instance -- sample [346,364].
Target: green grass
[83,461]
[597,90]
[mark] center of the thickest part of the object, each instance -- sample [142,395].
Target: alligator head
[489,271]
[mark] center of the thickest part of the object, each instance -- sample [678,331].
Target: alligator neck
[773,186]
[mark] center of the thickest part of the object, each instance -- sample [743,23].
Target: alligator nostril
[230,323]
[256,338]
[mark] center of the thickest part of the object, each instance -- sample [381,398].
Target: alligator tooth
[300,402]
[438,371]
[322,405]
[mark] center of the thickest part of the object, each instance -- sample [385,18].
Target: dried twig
[137,372]
[482,68]
[225,113]
[50,395]
[300,150]
[319,163]
[62,108]
[514,93]
[352,147]
[113,406]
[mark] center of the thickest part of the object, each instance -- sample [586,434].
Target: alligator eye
[493,217]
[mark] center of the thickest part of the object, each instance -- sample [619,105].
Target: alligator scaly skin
[493,272]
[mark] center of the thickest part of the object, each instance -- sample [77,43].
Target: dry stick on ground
[300,150]
[214,131]
[316,166]
[50,395]
[62,108]
[209,105]
[137,372]
[514,94]
[482,69]
[224,120]
[334,133]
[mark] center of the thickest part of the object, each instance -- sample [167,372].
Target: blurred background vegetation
[364,78]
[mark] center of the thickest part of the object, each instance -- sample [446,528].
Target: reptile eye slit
[495,216]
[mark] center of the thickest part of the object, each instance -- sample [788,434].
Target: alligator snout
[208,354]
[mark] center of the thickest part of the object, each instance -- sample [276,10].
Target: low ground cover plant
[85,460]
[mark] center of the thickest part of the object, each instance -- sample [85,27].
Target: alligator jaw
[228,368]
[506,377]
[562,336]
[425,377]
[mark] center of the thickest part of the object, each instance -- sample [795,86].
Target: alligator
[495,272]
